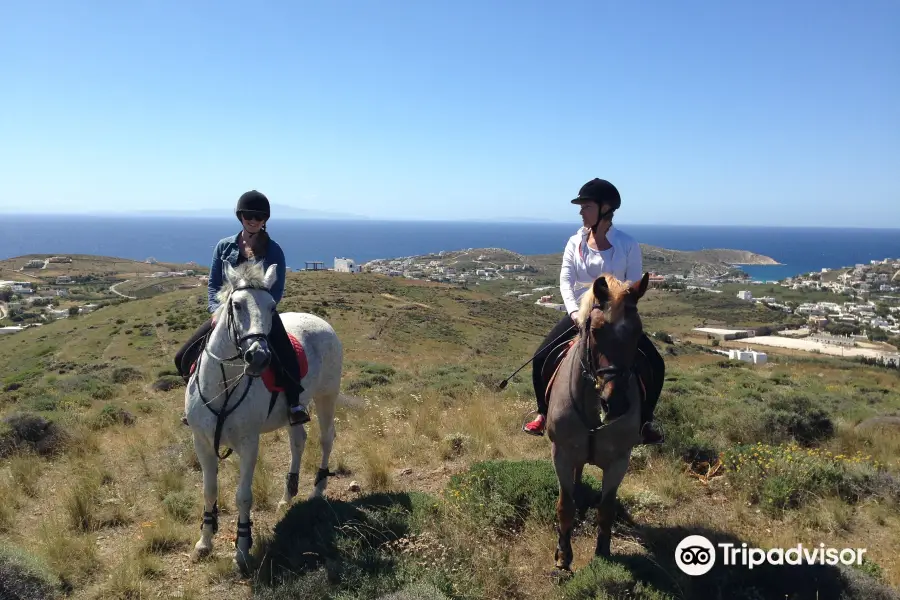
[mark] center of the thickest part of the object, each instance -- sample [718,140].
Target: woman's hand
[574,317]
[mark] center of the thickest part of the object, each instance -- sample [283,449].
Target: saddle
[269,376]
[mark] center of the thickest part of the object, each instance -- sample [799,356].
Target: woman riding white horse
[227,403]
[251,243]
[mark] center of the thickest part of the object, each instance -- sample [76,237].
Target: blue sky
[745,113]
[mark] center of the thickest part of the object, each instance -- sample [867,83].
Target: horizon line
[575,224]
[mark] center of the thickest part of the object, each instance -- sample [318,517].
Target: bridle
[224,412]
[600,376]
[232,329]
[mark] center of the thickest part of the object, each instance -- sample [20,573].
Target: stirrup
[659,436]
[298,417]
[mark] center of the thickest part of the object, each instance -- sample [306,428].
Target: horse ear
[640,288]
[271,276]
[229,271]
[600,289]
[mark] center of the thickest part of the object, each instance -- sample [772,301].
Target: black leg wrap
[293,484]
[322,474]
[211,518]
[243,530]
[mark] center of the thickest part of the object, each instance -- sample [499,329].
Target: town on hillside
[38,290]
[858,326]
[853,311]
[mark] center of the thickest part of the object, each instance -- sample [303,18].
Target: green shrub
[111,415]
[606,580]
[32,433]
[797,417]
[371,375]
[24,577]
[125,374]
[781,478]
[504,494]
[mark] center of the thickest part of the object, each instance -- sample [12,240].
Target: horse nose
[248,357]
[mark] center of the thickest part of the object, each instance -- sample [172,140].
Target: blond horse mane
[617,291]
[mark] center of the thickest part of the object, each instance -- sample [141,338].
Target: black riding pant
[284,359]
[545,360]
[650,365]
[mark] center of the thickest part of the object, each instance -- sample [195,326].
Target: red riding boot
[536,427]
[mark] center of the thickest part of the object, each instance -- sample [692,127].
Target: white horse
[227,403]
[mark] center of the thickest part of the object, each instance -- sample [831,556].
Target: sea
[184,239]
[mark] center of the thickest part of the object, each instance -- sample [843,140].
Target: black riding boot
[288,370]
[653,372]
[188,353]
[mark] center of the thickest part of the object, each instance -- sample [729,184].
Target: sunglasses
[253,216]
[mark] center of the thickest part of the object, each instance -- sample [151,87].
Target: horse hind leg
[209,464]
[326,405]
[297,436]
[606,514]
[565,507]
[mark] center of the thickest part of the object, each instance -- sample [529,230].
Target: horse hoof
[561,573]
[242,565]
[200,552]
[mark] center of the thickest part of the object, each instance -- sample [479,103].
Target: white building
[745,295]
[750,356]
[346,265]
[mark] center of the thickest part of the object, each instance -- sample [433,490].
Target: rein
[224,412]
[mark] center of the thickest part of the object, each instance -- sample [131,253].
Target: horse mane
[617,290]
[249,274]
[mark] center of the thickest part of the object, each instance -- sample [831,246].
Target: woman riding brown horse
[597,248]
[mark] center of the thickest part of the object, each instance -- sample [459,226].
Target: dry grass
[26,472]
[117,512]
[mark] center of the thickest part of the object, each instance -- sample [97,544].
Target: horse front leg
[565,507]
[243,499]
[606,513]
[209,465]
[297,435]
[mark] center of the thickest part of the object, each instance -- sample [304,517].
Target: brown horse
[595,405]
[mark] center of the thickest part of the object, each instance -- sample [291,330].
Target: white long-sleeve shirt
[581,265]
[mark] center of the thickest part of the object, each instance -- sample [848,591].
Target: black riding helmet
[602,192]
[252,201]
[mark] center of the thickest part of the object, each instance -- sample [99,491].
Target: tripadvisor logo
[696,555]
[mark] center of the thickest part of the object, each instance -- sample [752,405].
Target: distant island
[283,211]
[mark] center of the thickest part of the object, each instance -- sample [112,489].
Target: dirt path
[113,289]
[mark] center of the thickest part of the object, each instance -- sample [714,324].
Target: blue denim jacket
[228,249]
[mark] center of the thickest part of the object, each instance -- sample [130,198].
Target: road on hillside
[113,289]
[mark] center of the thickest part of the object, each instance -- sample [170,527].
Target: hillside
[699,263]
[107,268]
[106,504]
